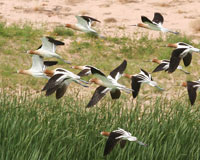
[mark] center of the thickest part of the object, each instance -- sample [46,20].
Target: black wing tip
[96,71]
[56,42]
[89,106]
[90,18]
[145,19]
[144,71]
[50,63]
[158,14]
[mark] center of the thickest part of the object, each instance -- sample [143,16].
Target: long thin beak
[184,84]
[163,46]
[133,25]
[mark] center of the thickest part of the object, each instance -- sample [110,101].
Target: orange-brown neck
[184,84]
[49,73]
[33,52]
[96,81]
[105,133]
[156,61]
[142,25]
[127,75]
[72,27]
[173,45]
[78,67]
[26,72]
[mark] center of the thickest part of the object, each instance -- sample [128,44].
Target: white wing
[46,45]
[37,63]
[82,22]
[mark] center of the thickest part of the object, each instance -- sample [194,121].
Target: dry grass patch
[165,5]
[73,2]
[110,20]
[129,1]
[195,25]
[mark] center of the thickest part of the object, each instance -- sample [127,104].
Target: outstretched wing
[37,63]
[82,21]
[56,42]
[89,20]
[111,142]
[160,67]
[117,72]
[175,59]
[187,59]
[135,84]
[115,94]
[158,18]
[99,93]
[50,63]
[192,91]
[61,91]
[84,72]
[146,20]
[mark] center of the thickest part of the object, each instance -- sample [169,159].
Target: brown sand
[180,15]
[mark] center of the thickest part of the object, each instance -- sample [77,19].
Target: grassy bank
[38,127]
[42,128]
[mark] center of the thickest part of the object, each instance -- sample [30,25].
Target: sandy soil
[181,15]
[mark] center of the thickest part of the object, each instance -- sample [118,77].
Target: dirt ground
[179,15]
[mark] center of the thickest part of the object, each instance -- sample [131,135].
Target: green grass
[62,31]
[42,128]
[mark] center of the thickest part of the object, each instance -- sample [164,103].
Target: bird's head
[105,133]
[155,60]
[32,52]
[68,25]
[142,25]
[78,67]
[184,84]
[21,71]
[173,45]
[96,81]
[49,73]
[127,75]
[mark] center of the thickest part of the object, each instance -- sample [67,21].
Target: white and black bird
[192,87]
[60,81]
[164,65]
[118,136]
[38,67]
[48,49]
[108,84]
[138,79]
[84,24]
[182,51]
[155,24]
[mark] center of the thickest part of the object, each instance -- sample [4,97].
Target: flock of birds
[59,79]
